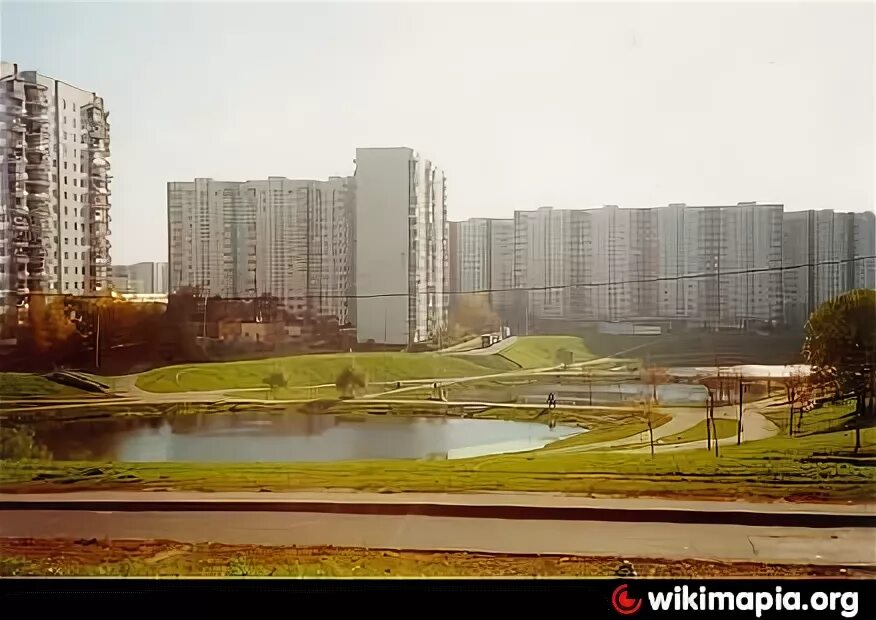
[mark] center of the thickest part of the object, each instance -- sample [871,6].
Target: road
[543,524]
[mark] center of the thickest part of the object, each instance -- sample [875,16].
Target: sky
[522,105]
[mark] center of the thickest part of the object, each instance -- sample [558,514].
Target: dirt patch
[150,558]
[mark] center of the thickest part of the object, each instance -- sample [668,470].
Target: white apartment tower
[291,239]
[825,253]
[54,214]
[482,259]
[401,262]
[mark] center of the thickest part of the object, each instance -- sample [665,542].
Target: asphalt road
[526,524]
[839,546]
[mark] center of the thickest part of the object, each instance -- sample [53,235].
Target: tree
[840,346]
[473,312]
[275,381]
[653,377]
[19,444]
[351,382]
[794,387]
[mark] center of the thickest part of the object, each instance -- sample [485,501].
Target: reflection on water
[288,437]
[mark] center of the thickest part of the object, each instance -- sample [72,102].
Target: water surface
[289,437]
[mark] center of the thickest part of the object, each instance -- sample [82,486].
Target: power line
[686,276]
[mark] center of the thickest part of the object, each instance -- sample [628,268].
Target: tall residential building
[401,262]
[482,259]
[288,238]
[825,253]
[54,203]
[145,277]
[623,262]
[542,265]
[736,254]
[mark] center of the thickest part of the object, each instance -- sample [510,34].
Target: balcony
[20,256]
[20,223]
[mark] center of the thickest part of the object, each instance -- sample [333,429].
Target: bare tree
[794,386]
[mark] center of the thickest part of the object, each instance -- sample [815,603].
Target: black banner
[600,598]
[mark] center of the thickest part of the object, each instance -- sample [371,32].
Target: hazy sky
[522,105]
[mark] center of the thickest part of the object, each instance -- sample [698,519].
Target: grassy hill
[307,370]
[303,370]
[541,351]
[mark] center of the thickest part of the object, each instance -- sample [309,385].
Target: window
[74,122]
[75,212]
[65,195]
[66,255]
[74,167]
[65,165]
[66,270]
[65,223]
[75,198]
[76,270]
[75,255]
[74,107]
[74,182]
[75,240]
[65,213]
[65,179]
[66,285]
[65,135]
[65,103]
[65,119]
[75,226]
[66,242]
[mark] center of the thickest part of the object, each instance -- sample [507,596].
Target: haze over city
[600,104]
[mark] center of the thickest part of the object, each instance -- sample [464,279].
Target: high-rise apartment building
[542,264]
[734,259]
[623,263]
[482,259]
[54,203]
[707,266]
[288,238]
[147,277]
[401,262]
[825,253]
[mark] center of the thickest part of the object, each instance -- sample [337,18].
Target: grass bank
[14,385]
[322,369]
[142,558]
[541,351]
[724,428]
[306,370]
[813,467]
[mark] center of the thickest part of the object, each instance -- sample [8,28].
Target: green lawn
[23,385]
[724,428]
[541,351]
[305,370]
[803,467]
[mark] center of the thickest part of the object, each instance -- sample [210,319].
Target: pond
[288,437]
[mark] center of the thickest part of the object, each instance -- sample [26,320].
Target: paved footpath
[834,534]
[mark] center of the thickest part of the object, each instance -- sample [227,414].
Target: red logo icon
[623,603]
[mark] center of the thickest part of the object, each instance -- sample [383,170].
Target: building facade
[54,214]
[825,253]
[402,269]
[748,265]
[482,259]
[291,239]
[140,278]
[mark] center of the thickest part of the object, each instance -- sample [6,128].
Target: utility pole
[97,338]
[739,426]
[204,324]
